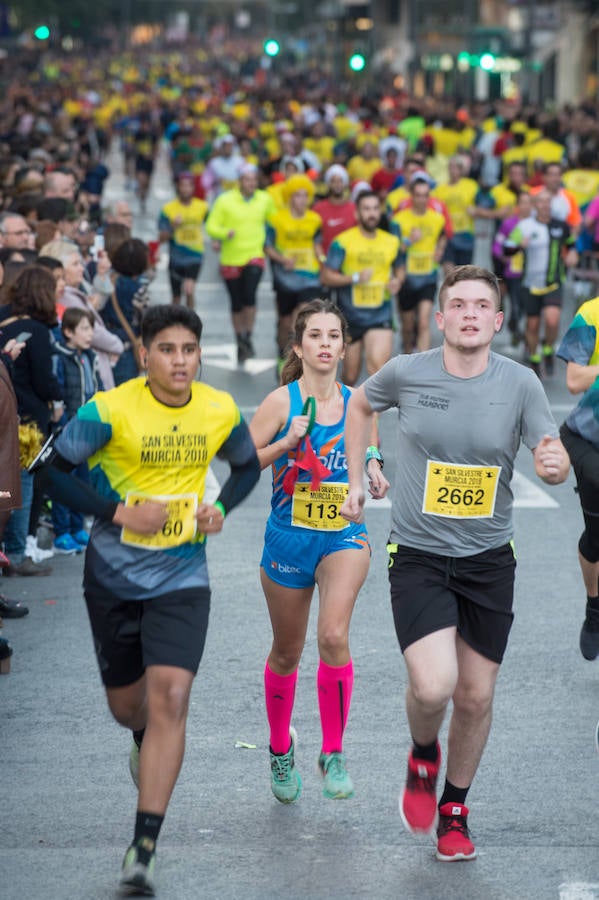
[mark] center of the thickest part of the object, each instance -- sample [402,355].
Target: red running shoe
[453,837]
[418,801]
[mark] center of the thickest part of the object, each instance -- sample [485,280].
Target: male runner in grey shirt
[462,413]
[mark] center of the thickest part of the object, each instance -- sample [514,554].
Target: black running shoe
[589,634]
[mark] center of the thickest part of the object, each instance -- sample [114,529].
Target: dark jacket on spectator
[34,382]
[69,368]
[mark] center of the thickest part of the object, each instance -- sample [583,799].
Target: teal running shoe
[337,784]
[137,874]
[285,781]
[134,764]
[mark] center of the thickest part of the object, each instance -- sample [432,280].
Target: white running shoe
[34,552]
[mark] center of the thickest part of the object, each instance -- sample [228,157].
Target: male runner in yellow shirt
[238,221]
[423,240]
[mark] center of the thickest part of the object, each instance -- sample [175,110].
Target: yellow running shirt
[457,198]
[420,255]
[187,233]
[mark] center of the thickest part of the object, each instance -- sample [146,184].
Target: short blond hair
[60,250]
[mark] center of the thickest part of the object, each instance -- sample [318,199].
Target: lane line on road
[578,890]
[528,495]
[224,356]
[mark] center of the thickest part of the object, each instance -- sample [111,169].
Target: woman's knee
[285,657]
[332,639]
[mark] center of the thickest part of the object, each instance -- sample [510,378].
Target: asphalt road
[67,798]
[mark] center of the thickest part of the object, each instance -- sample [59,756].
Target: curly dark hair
[130,258]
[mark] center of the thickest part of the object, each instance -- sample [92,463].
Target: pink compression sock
[335,684]
[279,692]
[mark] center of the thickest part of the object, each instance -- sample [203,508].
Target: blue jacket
[70,374]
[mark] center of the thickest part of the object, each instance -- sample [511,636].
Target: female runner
[307,542]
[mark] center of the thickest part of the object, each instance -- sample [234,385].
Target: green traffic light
[42,32]
[357,62]
[487,62]
[271,47]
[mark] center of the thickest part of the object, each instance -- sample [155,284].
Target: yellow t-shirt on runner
[457,198]
[420,255]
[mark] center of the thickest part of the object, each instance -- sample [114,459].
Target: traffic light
[271,47]
[42,33]
[487,62]
[357,62]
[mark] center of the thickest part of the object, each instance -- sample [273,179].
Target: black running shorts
[473,594]
[130,635]
[533,304]
[410,295]
[178,274]
[357,332]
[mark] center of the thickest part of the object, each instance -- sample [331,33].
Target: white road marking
[371,503]
[528,495]
[578,890]
[563,407]
[224,356]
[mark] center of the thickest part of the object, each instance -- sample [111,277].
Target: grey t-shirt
[457,439]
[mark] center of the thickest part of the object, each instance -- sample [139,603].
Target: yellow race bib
[420,263]
[461,221]
[319,509]
[304,259]
[188,234]
[369,295]
[458,491]
[180,527]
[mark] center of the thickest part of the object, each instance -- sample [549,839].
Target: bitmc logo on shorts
[284,568]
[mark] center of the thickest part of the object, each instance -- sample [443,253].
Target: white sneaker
[34,552]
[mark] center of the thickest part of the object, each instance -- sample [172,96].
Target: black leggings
[242,290]
[585,462]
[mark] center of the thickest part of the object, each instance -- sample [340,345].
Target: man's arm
[165,229]
[580,378]
[239,451]
[217,224]
[552,462]
[54,466]
[331,278]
